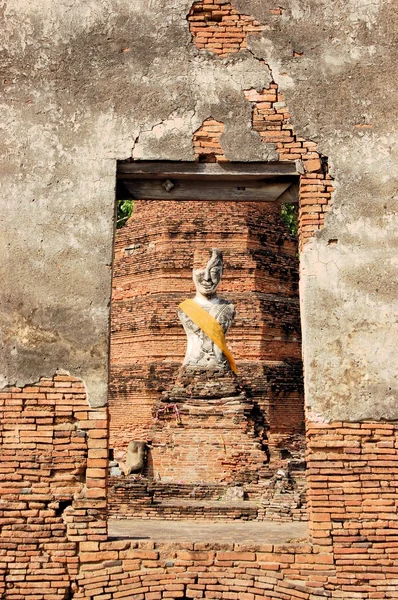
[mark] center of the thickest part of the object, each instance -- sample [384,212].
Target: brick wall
[212,441]
[53,543]
[143,499]
[53,476]
[217,27]
[353,499]
[52,486]
[148,571]
[207,141]
[271,119]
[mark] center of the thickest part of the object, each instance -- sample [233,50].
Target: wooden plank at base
[164,169]
[241,191]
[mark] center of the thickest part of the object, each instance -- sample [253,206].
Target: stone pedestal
[207,459]
[206,430]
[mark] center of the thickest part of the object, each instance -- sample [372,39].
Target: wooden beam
[202,171]
[244,190]
[290,195]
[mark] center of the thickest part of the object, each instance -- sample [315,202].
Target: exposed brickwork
[52,485]
[216,26]
[54,448]
[215,437]
[137,497]
[126,503]
[353,498]
[148,571]
[206,141]
[222,30]
[271,119]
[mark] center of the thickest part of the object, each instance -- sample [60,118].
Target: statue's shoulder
[223,310]
[224,302]
[226,305]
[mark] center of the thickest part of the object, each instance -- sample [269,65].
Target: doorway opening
[177,455]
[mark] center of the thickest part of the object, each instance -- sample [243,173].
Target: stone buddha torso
[202,352]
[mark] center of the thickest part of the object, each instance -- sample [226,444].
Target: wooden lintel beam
[243,190]
[202,171]
[290,195]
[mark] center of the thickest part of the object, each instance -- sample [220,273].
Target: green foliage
[124,210]
[290,217]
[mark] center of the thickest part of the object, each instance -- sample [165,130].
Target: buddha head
[206,280]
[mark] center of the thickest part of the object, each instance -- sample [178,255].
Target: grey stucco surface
[85,84]
[342,94]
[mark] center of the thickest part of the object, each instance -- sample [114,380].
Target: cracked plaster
[340,93]
[84,84]
[80,84]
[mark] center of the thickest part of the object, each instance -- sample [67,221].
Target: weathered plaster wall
[339,92]
[85,84]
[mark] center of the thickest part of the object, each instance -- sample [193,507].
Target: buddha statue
[206,319]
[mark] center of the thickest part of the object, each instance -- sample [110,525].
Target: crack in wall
[210,26]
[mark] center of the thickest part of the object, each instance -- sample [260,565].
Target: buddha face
[206,280]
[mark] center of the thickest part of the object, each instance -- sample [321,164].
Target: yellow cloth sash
[210,326]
